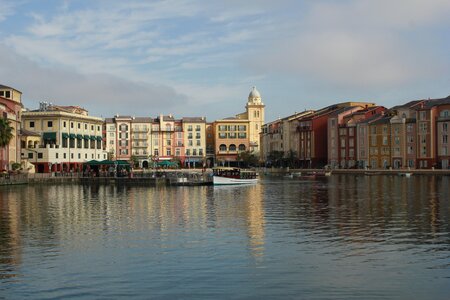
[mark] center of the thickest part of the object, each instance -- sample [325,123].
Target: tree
[135,161]
[6,132]
[275,158]
[6,135]
[248,158]
[291,158]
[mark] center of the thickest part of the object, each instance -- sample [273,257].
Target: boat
[229,176]
[406,174]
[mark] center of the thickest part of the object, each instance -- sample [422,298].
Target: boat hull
[219,180]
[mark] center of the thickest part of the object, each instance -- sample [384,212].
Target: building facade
[10,109]
[68,138]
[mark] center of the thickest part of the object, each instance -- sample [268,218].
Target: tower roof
[254,93]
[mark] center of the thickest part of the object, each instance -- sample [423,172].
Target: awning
[99,138]
[92,137]
[65,135]
[86,137]
[79,136]
[49,136]
[72,135]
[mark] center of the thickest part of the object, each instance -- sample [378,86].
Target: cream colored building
[68,138]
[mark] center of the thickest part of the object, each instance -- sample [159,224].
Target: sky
[201,58]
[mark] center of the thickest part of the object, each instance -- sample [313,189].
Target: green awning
[93,138]
[49,136]
[99,138]
[79,136]
[65,135]
[72,135]
[86,137]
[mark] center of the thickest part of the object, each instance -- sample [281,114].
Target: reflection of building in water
[367,206]
[242,206]
[255,219]
[11,243]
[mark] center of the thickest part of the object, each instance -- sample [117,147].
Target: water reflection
[281,236]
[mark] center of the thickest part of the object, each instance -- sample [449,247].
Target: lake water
[343,237]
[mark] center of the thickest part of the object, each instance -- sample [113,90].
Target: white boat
[229,176]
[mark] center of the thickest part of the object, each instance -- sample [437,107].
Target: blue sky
[201,58]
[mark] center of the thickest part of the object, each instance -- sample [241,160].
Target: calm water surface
[343,237]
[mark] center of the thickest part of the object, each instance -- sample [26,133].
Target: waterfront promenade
[187,177]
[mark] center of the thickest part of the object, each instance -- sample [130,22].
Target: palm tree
[6,134]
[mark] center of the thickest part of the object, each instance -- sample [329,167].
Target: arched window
[168,127]
[241,147]
[223,147]
[232,147]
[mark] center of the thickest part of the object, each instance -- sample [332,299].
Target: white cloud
[7,9]
[99,93]
[359,44]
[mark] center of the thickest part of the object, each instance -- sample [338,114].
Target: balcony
[143,130]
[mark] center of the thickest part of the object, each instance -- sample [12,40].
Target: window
[200,152]
[242,135]
[232,135]
[71,124]
[232,128]
[190,143]
[7,94]
[64,142]
[194,152]
[79,125]
[85,126]
[423,115]
[242,128]
[197,128]
[30,155]
[40,155]
[31,124]
[232,147]
[177,152]
[222,135]
[188,152]
[222,147]
[222,128]
[445,127]
[64,124]
[64,155]
[156,152]
[199,142]
[168,152]
[445,139]
[241,147]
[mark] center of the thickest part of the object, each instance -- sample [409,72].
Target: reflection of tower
[255,219]
[255,115]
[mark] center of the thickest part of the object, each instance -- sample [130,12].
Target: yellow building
[240,133]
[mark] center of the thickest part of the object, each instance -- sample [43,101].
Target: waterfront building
[342,136]
[348,137]
[118,137]
[231,137]
[380,142]
[404,139]
[10,109]
[194,130]
[430,114]
[68,138]
[210,144]
[240,133]
[442,129]
[281,135]
[313,134]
